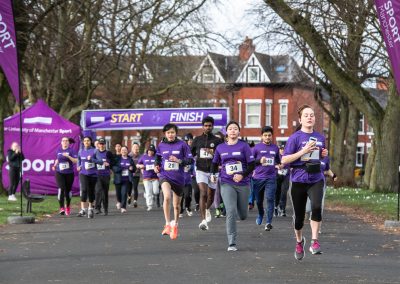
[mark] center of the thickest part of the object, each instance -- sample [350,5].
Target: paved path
[129,249]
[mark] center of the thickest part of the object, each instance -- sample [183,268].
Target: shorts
[177,189]
[203,177]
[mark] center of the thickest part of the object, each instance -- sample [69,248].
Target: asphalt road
[129,249]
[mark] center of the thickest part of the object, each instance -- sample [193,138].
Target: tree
[348,81]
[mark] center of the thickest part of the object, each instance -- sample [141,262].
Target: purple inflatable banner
[389,18]
[8,47]
[151,118]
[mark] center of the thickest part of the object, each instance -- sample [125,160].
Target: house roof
[229,66]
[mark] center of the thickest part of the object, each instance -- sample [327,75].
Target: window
[208,74]
[253,74]
[361,124]
[370,130]
[108,142]
[283,114]
[268,112]
[360,155]
[253,113]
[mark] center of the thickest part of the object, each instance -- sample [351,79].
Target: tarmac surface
[129,248]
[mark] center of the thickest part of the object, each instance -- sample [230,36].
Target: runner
[64,168]
[116,158]
[87,176]
[187,189]
[104,160]
[266,155]
[203,149]
[282,186]
[123,169]
[237,164]
[134,154]
[171,157]
[15,158]
[150,178]
[303,151]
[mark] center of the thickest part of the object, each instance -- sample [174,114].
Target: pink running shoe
[62,211]
[68,211]
[315,247]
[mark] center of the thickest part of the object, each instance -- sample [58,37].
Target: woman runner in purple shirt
[63,166]
[171,157]
[303,152]
[237,163]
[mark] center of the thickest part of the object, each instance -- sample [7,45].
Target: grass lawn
[383,205]
[48,206]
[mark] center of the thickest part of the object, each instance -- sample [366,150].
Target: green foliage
[381,204]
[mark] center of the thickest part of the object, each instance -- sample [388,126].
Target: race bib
[171,166]
[125,173]
[282,172]
[63,166]
[150,167]
[234,168]
[204,154]
[89,165]
[269,162]
[101,167]
[314,155]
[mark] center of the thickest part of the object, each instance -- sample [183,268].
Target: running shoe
[189,212]
[90,213]
[315,247]
[118,205]
[12,198]
[180,215]
[129,200]
[299,251]
[97,211]
[166,231]
[149,208]
[123,210]
[67,211]
[208,215]
[82,213]
[268,227]
[283,213]
[203,225]
[232,248]
[174,232]
[259,219]
[135,203]
[62,211]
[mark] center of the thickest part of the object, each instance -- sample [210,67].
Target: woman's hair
[88,137]
[125,148]
[169,126]
[232,122]
[303,107]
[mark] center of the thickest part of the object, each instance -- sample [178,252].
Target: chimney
[246,49]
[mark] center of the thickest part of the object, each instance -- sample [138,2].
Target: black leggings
[102,187]
[187,196]
[299,193]
[196,190]
[14,174]
[134,186]
[88,185]
[64,183]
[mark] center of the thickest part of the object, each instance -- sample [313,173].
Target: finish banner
[389,18]
[8,47]
[120,119]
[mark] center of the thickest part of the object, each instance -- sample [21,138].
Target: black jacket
[209,141]
[14,159]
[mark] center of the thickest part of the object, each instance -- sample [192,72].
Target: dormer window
[253,74]
[208,74]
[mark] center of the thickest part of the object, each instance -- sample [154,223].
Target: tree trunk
[370,165]
[387,138]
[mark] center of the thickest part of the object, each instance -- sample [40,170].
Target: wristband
[334,176]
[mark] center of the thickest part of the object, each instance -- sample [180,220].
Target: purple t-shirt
[325,164]
[125,164]
[294,144]
[266,170]
[88,166]
[172,171]
[233,160]
[148,163]
[65,166]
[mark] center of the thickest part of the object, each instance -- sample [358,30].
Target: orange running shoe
[174,232]
[167,230]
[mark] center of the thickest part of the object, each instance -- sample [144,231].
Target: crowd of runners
[221,171]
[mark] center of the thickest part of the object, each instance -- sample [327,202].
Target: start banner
[119,119]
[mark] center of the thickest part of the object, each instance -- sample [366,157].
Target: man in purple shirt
[266,155]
